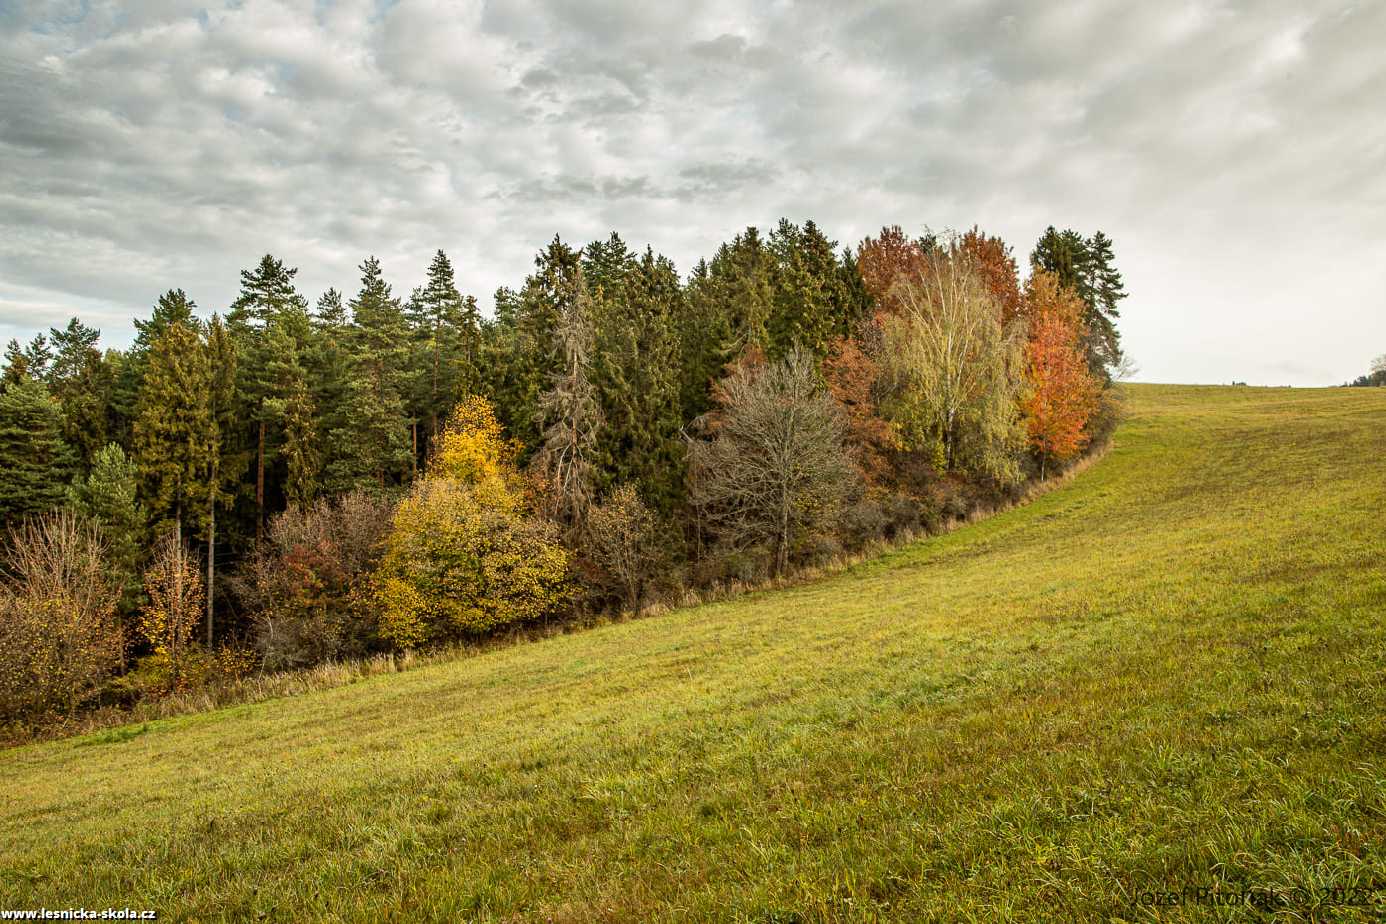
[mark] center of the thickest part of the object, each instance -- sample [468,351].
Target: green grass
[1170,672]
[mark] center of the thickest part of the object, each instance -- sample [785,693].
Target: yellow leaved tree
[464,555]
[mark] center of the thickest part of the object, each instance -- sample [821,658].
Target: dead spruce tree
[572,417]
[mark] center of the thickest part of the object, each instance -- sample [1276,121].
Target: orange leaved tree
[1061,392]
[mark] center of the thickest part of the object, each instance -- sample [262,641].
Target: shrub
[623,545]
[59,635]
[306,588]
[177,601]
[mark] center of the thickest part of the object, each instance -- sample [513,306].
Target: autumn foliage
[852,376]
[464,555]
[886,259]
[1061,391]
[59,636]
[994,263]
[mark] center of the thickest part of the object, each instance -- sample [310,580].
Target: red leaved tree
[884,260]
[996,266]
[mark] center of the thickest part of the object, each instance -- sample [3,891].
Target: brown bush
[303,588]
[59,636]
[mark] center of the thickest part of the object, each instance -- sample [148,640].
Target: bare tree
[59,635]
[776,468]
[623,544]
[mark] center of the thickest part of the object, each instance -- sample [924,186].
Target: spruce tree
[295,414]
[636,373]
[81,381]
[374,432]
[109,495]
[174,430]
[571,417]
[36,461]
[328,366]
[225,457]
[447,330]
[529,353]
[810,302]
[172,307]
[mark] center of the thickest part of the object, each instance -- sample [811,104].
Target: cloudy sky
[1236,152]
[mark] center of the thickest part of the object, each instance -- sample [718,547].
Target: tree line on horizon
[291,482]
[1375,377]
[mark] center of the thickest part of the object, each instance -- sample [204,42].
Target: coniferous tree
[295,413]
[374,431]
[109,496]
[81,381]
[571,417]
[224,461]
[1085,265]
[523,343]
[174,429]
[447,330]
[172,307]
[16,366]
[267,298]
[328,366]
[36,461]
[636,373]
[26,362]
[811,305]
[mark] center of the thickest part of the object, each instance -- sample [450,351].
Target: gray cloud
[1234,151]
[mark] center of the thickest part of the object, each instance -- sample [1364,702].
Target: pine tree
[16,366]
[1085,265]
[36,461]
[267,298]
[26,362]
[38,356]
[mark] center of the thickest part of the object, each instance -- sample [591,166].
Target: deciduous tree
[1061,393]
[775,470]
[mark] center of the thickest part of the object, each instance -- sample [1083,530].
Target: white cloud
[1234,154]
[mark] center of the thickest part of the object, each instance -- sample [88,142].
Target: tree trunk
[414,456]
[260,486]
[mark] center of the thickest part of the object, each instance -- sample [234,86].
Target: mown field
[1168,674]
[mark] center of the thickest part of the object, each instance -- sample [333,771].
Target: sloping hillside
[1170,673]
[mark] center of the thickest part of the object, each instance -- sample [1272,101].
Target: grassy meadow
[1170,673]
